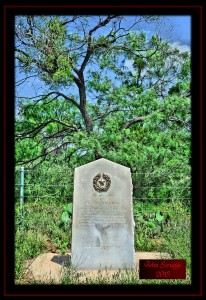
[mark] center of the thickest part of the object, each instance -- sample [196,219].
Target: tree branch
[65,124]
[42,125]
[69,99]
[36,130]
[134,121]
[41,155]
[49,94]
[141,119]
[63,133]
[89,48]
[186,124]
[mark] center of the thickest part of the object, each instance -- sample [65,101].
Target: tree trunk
[83,107]
[87,119]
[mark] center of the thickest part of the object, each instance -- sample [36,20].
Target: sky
[176,29]
[182,29]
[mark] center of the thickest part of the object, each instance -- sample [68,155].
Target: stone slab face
[102,225]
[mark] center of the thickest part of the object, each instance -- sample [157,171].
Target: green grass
[39,231]
[42,230]
[152,234]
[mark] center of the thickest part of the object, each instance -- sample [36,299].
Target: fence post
[22,189]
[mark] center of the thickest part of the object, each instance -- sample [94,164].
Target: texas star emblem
[101,182]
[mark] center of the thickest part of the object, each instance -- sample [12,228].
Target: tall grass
[41,230]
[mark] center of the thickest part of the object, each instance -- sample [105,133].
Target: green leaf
[151,224]
[159,217]
[65,217]
[68,208]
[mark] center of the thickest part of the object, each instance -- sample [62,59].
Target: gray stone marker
[102,225]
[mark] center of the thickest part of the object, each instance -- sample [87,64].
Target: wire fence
[47,185]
